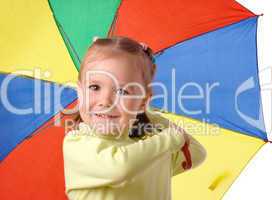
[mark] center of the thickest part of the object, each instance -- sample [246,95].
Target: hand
[178,129]
[156,118]
[182,132]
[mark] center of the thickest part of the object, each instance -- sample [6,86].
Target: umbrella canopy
[206,58]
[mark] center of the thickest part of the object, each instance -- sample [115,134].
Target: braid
[142,122]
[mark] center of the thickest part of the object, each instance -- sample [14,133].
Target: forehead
[124,69]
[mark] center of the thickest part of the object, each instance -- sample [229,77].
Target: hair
[115,46]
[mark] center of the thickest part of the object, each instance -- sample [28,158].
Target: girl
[121,149]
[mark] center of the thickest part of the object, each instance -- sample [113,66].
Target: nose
[106,99]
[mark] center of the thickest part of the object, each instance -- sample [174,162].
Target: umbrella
[206,56]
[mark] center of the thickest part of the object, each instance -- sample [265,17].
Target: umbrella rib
[113,25]
[68,41]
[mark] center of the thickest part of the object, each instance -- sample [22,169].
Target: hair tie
[145,47]
[95,38]
[153,59]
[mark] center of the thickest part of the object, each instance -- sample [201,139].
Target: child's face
[110,86]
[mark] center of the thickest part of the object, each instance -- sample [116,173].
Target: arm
[190,155]
[91,162]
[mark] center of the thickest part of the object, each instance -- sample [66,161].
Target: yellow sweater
[99,167]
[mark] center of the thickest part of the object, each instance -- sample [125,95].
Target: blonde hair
[116,46]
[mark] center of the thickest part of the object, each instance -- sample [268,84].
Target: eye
[121,91]
[94,87]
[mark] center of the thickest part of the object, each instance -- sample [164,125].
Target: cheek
[129,109]
[92,98]
[130,106]
[88,100]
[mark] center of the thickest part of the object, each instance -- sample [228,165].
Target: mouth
[106,116]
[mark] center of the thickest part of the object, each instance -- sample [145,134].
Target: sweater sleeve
[90,161]
[189,156]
